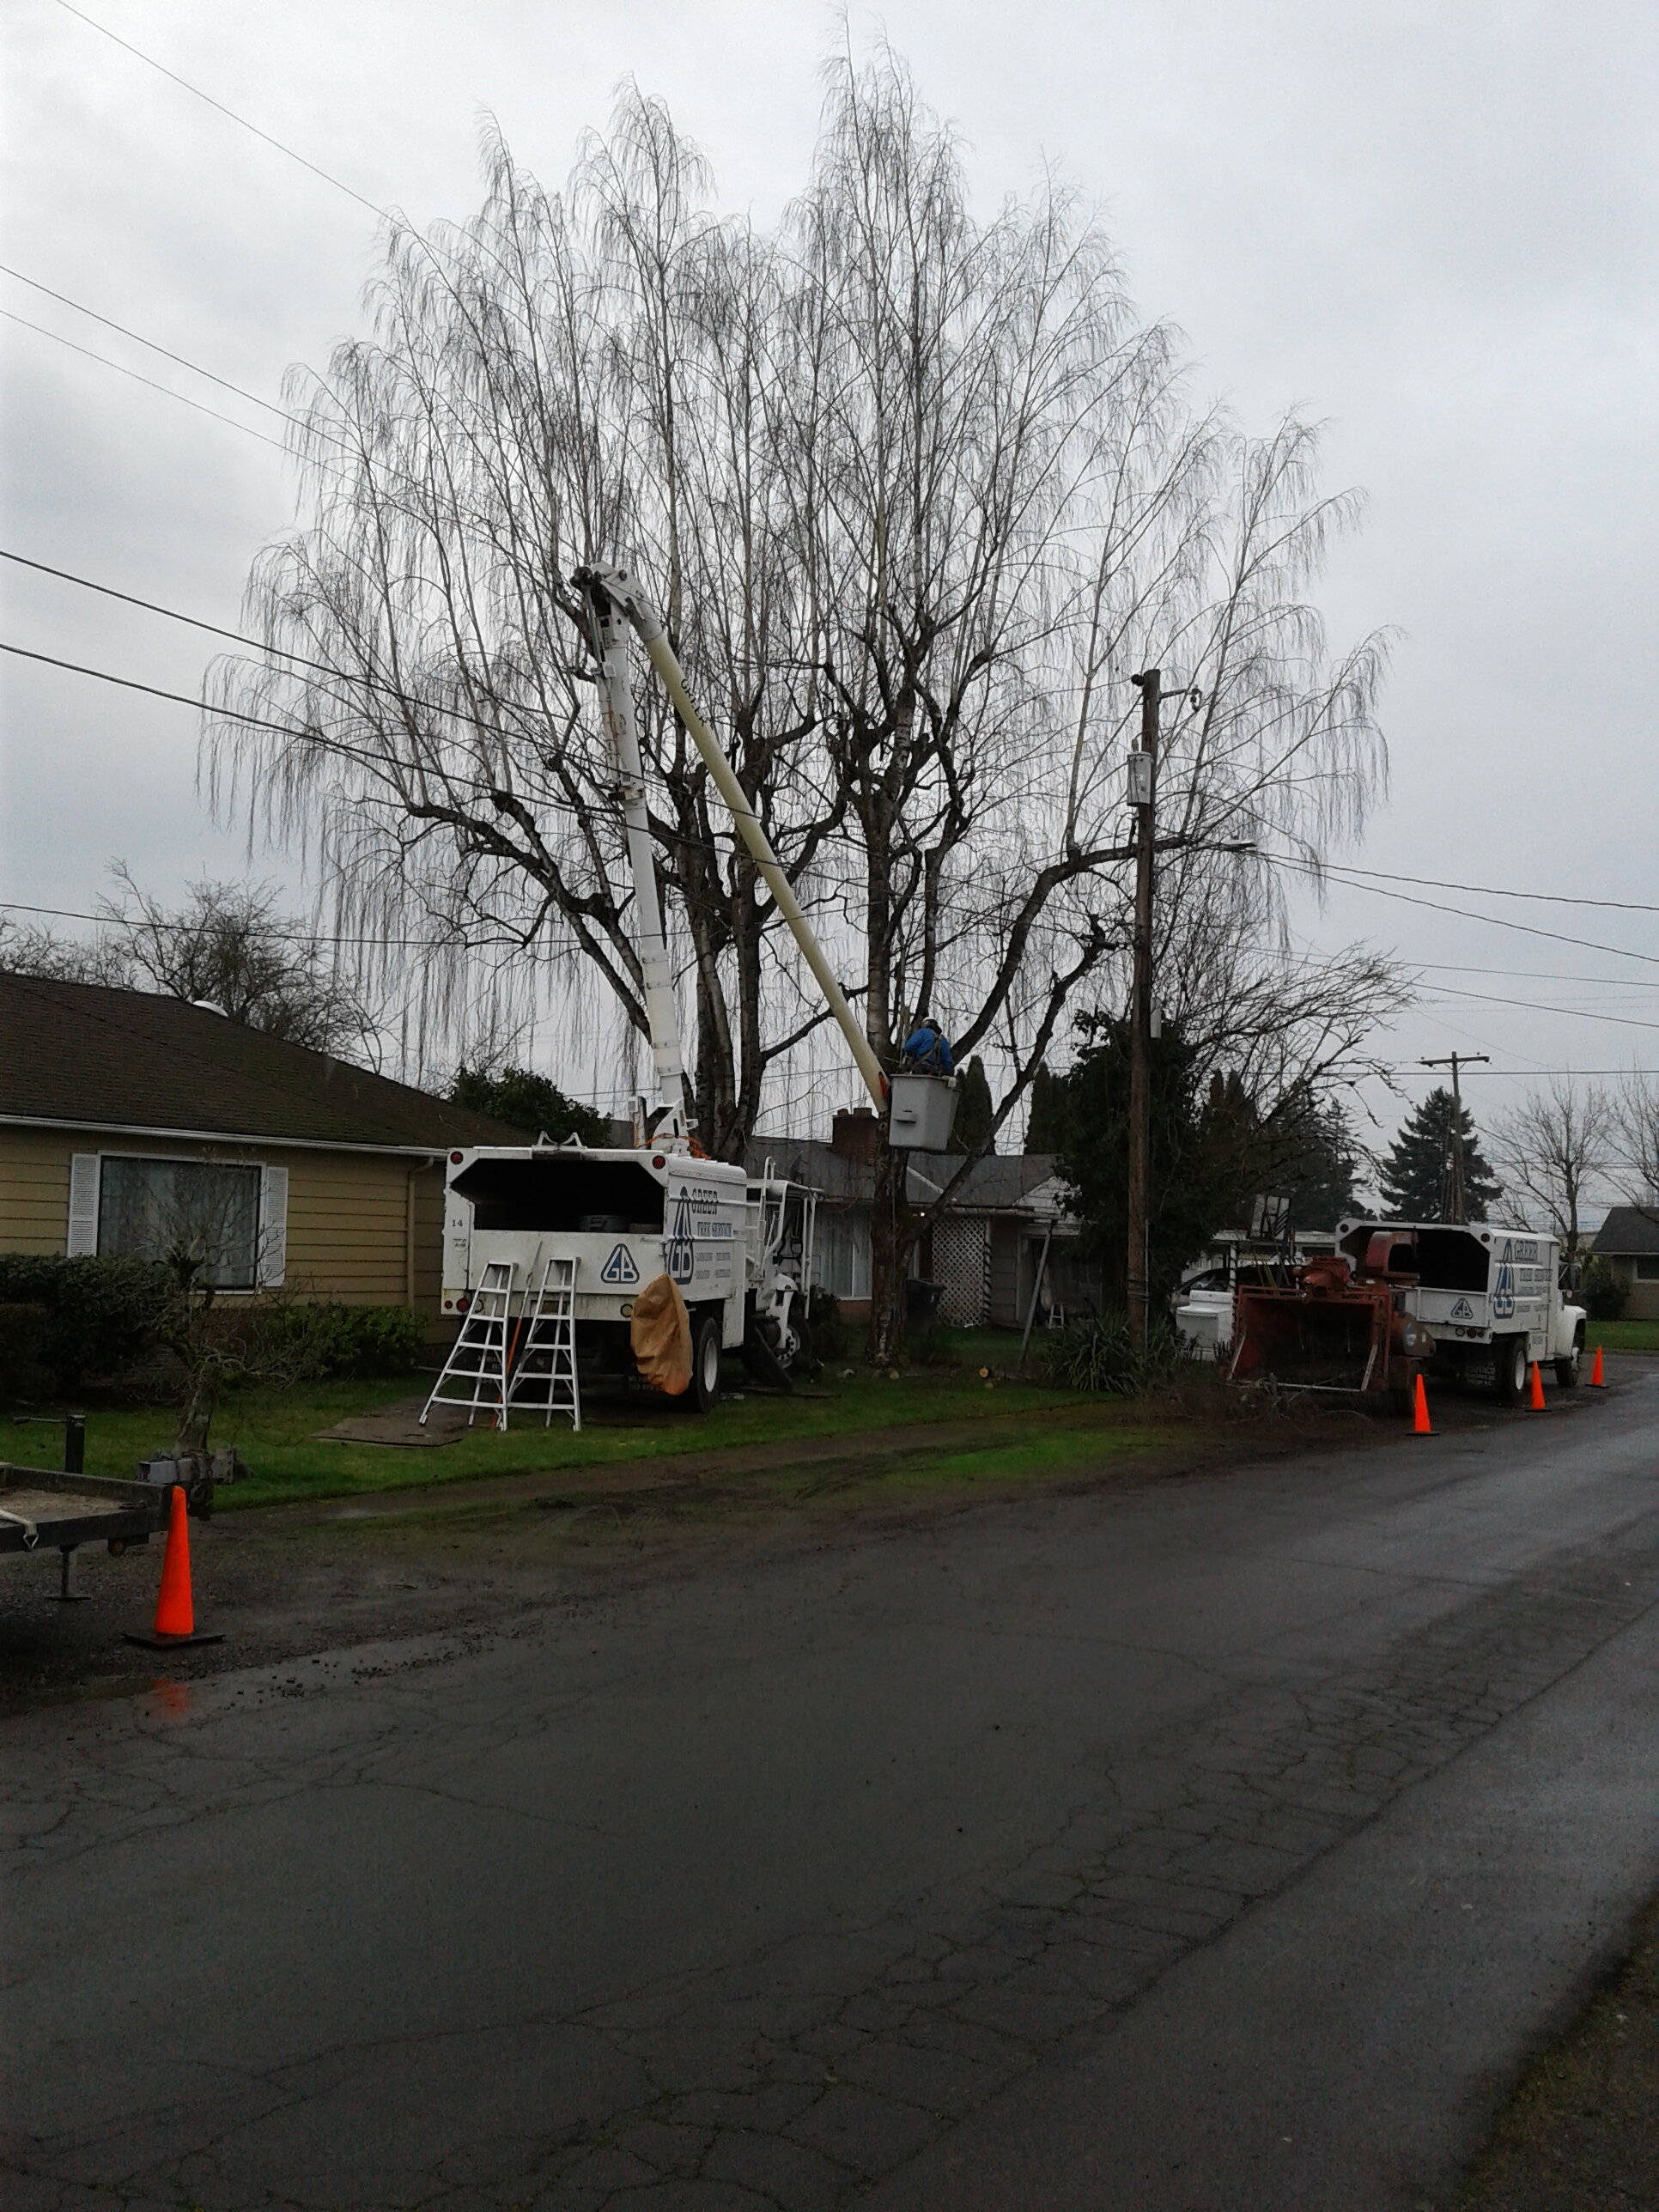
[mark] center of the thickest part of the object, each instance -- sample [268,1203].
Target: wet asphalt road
[1223,1843]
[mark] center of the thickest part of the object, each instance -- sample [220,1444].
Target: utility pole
[1455,1204]
[1142,798]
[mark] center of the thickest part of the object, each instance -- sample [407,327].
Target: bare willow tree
[1635,1143]
[917,492]
[1552,1150]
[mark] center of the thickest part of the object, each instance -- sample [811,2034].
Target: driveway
[1225,1842]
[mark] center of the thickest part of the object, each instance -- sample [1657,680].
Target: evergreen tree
[528,1101]
[1417,1173]
[1315,1161]
[1205,1152]
[972,1131]
[1045,1126]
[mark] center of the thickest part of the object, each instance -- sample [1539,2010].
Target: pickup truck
[1490,1296]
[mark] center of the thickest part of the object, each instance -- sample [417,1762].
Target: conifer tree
[976,1114]
[1416,1172]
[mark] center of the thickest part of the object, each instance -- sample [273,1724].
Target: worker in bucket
[927,1050]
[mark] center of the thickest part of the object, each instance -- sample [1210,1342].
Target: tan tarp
[660,1333]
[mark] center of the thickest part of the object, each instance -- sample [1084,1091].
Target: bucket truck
[553,1253]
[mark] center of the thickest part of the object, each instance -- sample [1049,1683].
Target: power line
[1437,906]
[181,698]
[214,629]
[1498,891]
[195,91]
[120,368]
[138,338]
[1529,1005]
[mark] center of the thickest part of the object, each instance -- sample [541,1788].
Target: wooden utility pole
[1456,1203]
[1143,797]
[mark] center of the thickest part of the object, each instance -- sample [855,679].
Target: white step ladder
[543,1378]
[478,1360]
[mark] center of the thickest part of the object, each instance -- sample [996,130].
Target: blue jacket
[930,1051]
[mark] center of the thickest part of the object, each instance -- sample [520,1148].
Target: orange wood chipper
[1342,1326]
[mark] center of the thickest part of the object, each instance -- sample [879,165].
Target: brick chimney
[856,1135]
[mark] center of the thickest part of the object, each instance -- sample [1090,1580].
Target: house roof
[1003,1182]
[1627,1230]
[78,1056]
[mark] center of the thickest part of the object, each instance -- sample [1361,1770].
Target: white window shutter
[273,1226]
[82,1237]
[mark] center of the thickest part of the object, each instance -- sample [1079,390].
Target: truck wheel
[1566,1371]
[704,1391]
[1509,1356]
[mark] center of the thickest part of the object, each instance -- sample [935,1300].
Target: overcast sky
[1431,226]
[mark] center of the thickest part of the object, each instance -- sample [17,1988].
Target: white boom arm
[662,1016]
[619,589]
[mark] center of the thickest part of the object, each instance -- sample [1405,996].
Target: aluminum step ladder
[477,1364]
[544,1378]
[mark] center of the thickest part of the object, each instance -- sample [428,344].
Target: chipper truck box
[1490,1296]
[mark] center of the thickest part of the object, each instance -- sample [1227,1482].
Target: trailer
[1489,1296]
[41,1509]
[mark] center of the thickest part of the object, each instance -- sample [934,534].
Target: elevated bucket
[921,1112]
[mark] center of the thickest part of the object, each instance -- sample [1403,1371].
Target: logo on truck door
[1503,1297]
[619,1267]
[682,1253]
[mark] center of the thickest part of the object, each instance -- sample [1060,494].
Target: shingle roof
[1627,1230]
[78,1054]
[1002,1181]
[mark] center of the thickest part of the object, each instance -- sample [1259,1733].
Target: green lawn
[1623,1335]
[276,1433]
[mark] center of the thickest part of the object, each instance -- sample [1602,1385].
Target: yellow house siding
[33,1191]
[347,1212]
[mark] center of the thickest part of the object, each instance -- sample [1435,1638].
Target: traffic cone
[1535,1401]
[1598,1380]
[175,1612]
[1420,1409]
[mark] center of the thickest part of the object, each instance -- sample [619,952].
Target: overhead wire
[1439,906]
[197,92]
[138,338]
[121,369]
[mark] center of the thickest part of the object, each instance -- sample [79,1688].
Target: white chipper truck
[1490,1296]
[1468,1301]
[562,1262]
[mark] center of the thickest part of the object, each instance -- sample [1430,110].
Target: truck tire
[1566,1371]
[1509,1360]
[703,1392]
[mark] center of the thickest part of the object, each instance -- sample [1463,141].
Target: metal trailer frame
[44,1509]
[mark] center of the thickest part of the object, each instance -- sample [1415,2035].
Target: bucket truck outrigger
[565,1261]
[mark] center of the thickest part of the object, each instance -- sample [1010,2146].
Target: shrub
[1602,1294]
[1096,1353]
[829,1332]
[22,1328]
[101,1316]
[343,1341]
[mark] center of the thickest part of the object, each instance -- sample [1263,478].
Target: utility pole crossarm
[1455,1203]
[622,589]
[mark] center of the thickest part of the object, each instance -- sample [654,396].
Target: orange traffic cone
[1535,1401]
[1598,1380]
[175,1613]
[1420,1409]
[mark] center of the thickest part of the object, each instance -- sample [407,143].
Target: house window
[148,1209]
[1647,1271]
